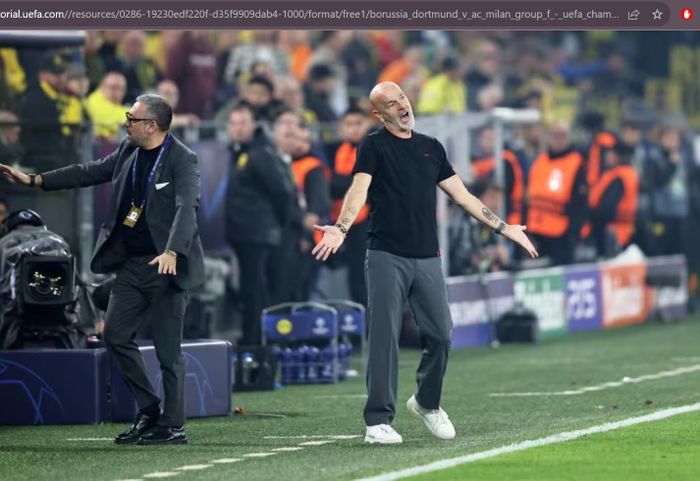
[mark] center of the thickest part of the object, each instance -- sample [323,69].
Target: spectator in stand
[101,54]
[474,248]
[106,108]
[317,91]
[192,66]
[262,48]
[409,65]
[557,193]
[140,71]
[169,91]
[444,93]
[329,52]
[49,116]
[289,92]
[259,94]
[653,169]
[11,151]
[670,199]
[488,69]
[295,44]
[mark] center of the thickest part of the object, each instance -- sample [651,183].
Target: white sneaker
[382,434]
[436,420]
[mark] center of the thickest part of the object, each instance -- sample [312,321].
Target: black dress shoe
[142,424]
[164,435]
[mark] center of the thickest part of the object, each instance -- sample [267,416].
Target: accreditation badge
[133,216]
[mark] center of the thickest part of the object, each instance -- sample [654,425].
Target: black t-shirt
[402,195]
[137,239]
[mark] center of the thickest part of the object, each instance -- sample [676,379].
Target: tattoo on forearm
[352,210]
[490,216]
[346,221]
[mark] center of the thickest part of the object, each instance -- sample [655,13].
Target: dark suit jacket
[171,209]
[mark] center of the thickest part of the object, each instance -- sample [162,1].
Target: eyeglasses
[131,119]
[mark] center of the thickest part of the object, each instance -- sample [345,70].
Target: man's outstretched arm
[334,235]
[454,187]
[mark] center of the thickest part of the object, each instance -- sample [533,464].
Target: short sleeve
[367,157]
[446,170]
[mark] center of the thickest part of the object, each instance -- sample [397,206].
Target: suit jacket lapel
[159,172]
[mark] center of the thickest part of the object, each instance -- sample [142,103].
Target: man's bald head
[381,91]
[392,108]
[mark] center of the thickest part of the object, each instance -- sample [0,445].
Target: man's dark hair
[354,110]
[241,106]
[159,108]
[320,72]
[282,111]
[264,81]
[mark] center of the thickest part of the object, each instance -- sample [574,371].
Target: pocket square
[161,185]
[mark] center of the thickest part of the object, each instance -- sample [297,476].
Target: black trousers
[253,259]
[141,294]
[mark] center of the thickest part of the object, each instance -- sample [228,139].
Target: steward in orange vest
[557,194]
[484,169]
[602,142]
[613,201]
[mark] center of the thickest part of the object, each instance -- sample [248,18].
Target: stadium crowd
[611,164]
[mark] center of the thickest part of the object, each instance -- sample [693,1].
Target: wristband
[32,180]
[342,229]
[499,229]
[171,253]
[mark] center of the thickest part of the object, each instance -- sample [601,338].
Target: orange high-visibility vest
[484,168]
[343,164]
[550,188]
[300,168]
[623,223]
[602,140]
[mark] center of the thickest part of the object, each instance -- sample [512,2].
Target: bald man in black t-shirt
[397,171]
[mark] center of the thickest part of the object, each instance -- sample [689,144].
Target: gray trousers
[391,280]
[139,292]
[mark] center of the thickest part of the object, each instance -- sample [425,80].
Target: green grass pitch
[293,417]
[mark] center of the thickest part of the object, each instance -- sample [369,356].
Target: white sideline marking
[129,479]
[316,443]
[90,439]
[194,467]
[226,460]
[626,380]
[161,474]
[511,448]
[282,450]
[258,455]
[317,436]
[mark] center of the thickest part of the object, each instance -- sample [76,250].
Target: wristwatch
[499,229]
[32,180]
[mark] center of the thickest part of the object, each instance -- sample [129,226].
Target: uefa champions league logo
[320,327]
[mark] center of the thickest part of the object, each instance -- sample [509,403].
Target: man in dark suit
[151,241]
